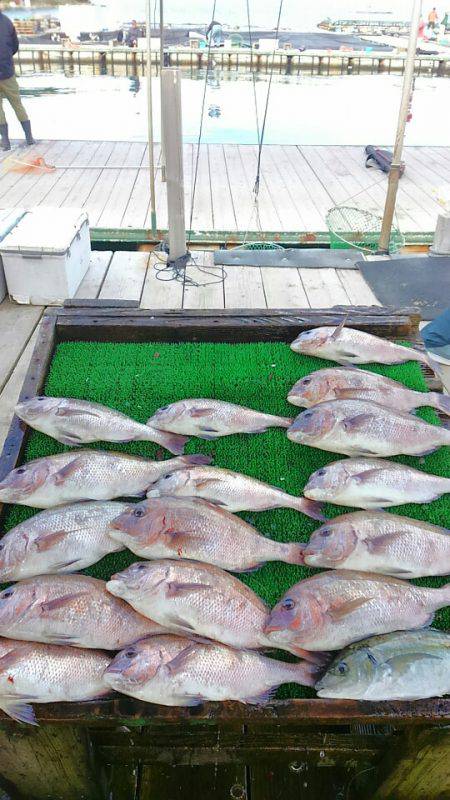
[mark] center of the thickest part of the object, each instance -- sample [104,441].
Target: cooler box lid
[49,231]
[9,217]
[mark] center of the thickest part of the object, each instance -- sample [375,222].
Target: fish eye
[139,512]
[307,414]
[8,593]
[40,399]
[343,668]
[1,547]
[130,653]
[321,472]
[288,604]
[166,477]
[141,567]
[306,381]
[21,471]
[325,533]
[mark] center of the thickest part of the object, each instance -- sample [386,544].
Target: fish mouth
[296,400]
[275,623]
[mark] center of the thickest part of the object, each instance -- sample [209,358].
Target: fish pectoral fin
[179,662]
[357,423]
[189,699]
[72,440]
[60,602]
[61,639]
[174,589]
[261,699]
[48,540]
[339,612]
[382,544]
[74,412]
[17,707]
[365,477]
[67,471]
[337,331]
[198,412]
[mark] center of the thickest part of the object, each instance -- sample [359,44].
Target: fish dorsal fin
[337,332]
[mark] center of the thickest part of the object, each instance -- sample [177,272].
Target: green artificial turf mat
[137,379]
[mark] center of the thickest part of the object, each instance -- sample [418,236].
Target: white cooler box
[47,255]
[9,217]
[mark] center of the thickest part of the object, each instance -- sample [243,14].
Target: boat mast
[394,174]
[151,152]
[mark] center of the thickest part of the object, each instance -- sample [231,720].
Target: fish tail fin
[199,459]
[304,673]
[309,507]
[284,422]
[294,553]
[440,401]
[441,597]
[172,442]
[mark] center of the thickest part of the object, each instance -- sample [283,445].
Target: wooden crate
[123,748]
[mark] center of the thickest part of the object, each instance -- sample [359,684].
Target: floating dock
[105,59]
[110,180]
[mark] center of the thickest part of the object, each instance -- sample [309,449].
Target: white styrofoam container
[46,255]
[9,217]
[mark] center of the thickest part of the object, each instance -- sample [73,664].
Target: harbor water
[354,110]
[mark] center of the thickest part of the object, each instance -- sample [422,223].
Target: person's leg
[5,144]
[12,92]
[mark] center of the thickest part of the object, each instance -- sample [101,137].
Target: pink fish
[70,610]
[333,609]
[351,383]
[173,671]
[46,673]
[231,490]
[351,346]
[362,428]
[186,527]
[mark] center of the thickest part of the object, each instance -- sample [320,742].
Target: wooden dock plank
[92,282]
[241,190]
[126,276]
[11,391]
[209,293]
[298,185]
[161,293]
[222,204]
[283,288]
[323,288]
[244,288]
[17,324]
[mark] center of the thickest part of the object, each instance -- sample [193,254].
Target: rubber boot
[27,131]
[5,144]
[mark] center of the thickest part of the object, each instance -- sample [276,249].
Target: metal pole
[394,174]
[151,153]
[173,146]
[161,67]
